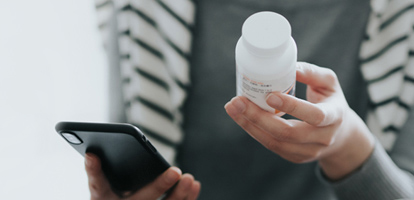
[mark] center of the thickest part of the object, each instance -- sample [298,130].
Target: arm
[328,130]
[387,178]
[377,178]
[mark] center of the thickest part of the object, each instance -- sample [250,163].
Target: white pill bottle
[266,57]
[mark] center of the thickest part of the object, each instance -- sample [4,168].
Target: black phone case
[128,159]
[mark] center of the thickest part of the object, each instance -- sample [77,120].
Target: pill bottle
[266,57]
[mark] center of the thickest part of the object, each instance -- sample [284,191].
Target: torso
[227,161]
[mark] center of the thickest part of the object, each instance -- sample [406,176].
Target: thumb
[315,76]
[160,185]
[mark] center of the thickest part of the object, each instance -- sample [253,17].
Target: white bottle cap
[266,33]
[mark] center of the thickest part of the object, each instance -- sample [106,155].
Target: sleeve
[382,176]
[108,16]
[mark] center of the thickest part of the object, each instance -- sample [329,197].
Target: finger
[315,76]
[265,138]
[183,189]
[299,153]
[320,114]
[257,122]
[160,185]
[242,106]
[313,114]
[236,109]
[195,191]
[98,185]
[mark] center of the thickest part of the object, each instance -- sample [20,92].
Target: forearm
[354,148]
[378,178]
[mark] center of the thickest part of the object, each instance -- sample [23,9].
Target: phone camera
[72,138]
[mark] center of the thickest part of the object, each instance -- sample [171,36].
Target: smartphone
[128,159]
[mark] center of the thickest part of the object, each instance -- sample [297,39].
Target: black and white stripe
[154,44]
[387,65]
[105,10]
[155,41]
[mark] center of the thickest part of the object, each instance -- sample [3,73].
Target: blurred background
[52,68]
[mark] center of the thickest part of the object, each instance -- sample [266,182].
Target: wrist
[358,144]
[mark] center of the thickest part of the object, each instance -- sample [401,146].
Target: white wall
[52,68]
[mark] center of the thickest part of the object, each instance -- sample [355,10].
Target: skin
[186,189]
[328,130]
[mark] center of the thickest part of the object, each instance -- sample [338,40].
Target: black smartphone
[128,159]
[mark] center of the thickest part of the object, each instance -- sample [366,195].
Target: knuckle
[94,188]
[327,141]
[286,133]
[290,106]
[311,68]
[285,137]
[341,112]
[253,113]
[319,117]
[161,188]
[272,145]
[254,117]
[244,123]
[166,184]
[286,128]
[96,191]
[312,155]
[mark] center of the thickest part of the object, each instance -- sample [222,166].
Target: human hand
[328,130]
[187,188]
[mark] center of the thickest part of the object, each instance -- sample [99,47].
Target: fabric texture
[387,64]
[229,163]
[379,179]
[154,39]
[143,37]
[155,46]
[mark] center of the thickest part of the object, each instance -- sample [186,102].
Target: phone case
[128,159]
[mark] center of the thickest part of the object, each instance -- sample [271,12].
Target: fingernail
[239,104]
[274,101]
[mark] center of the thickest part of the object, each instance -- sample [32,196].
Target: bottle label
[256,91]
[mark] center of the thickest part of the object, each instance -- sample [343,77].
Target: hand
[328,130]
[187,188]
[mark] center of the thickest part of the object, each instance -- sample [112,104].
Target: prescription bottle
[266,57]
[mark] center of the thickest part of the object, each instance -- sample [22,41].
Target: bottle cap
[266,33]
